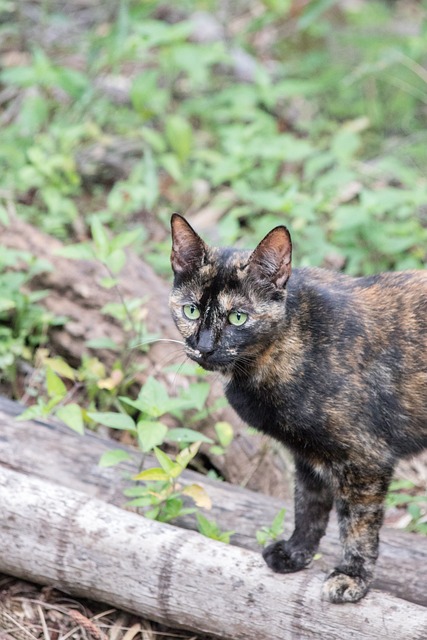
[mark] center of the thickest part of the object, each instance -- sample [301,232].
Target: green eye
[191,311]
[237,318]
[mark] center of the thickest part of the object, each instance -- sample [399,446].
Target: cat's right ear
[188,249]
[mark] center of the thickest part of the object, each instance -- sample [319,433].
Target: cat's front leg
[313,502]
[360,509]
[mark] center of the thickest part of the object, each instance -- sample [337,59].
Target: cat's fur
[334,367]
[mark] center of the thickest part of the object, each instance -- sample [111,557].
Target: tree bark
[54,453]
[53,535]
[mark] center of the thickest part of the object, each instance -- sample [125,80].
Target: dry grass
[31,612]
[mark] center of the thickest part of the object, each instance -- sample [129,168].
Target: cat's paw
[282,557]
[339,587]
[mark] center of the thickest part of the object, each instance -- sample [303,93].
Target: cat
[332,366]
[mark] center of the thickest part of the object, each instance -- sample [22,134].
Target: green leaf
[113,420]
[167,464]
[401,483]
[6,304]
[152,400]
[313,11]
[153,513]
[154,139]
[100,237]
[35,411]
[34,113]
[171,509]
[71,414]
[152,475]
[116,260]
[216,450]
[102,343]
[140,502]
[171,165]
[179,135]
[185,456]
[108,283]
[113,457]
[262,537]
[72,81]
[150,434]
[187,435]
[265,534]
[62,368]
[210,529]
[79,251]
[55,386]
[277,524]
[414,510]
[127,238]
[192,398]
[198,393]
[144,87]
[224,432]
[51,404]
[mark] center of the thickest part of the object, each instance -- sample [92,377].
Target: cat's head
[227,303]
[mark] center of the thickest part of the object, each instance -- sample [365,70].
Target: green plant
[225,435]
[272,532]
[152,403]
[23,322]
[55,402]
[415,504]
[110,251]
[210,529]
[162,497]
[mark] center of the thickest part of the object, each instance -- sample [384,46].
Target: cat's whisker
[177,372]
[154,340]
[169,358]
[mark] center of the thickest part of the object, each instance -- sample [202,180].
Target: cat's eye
[191,311]
[237,318]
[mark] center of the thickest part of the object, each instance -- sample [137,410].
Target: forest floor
[29,611]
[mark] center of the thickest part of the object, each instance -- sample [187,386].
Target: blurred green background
[241,115]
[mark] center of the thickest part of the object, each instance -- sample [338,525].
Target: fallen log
[53,535]
[52,452]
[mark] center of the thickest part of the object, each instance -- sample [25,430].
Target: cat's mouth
[212,361]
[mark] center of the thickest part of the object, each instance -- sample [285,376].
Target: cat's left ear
[188,249]
[271,260]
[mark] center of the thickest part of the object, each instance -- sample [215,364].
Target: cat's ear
[271,260]
[188,249]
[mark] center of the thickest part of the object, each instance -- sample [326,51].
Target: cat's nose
[206,342]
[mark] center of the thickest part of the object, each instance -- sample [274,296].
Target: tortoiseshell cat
[334,367]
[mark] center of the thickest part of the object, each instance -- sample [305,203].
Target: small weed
[23,322]
[272,532]
[162,497]
[210,529]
